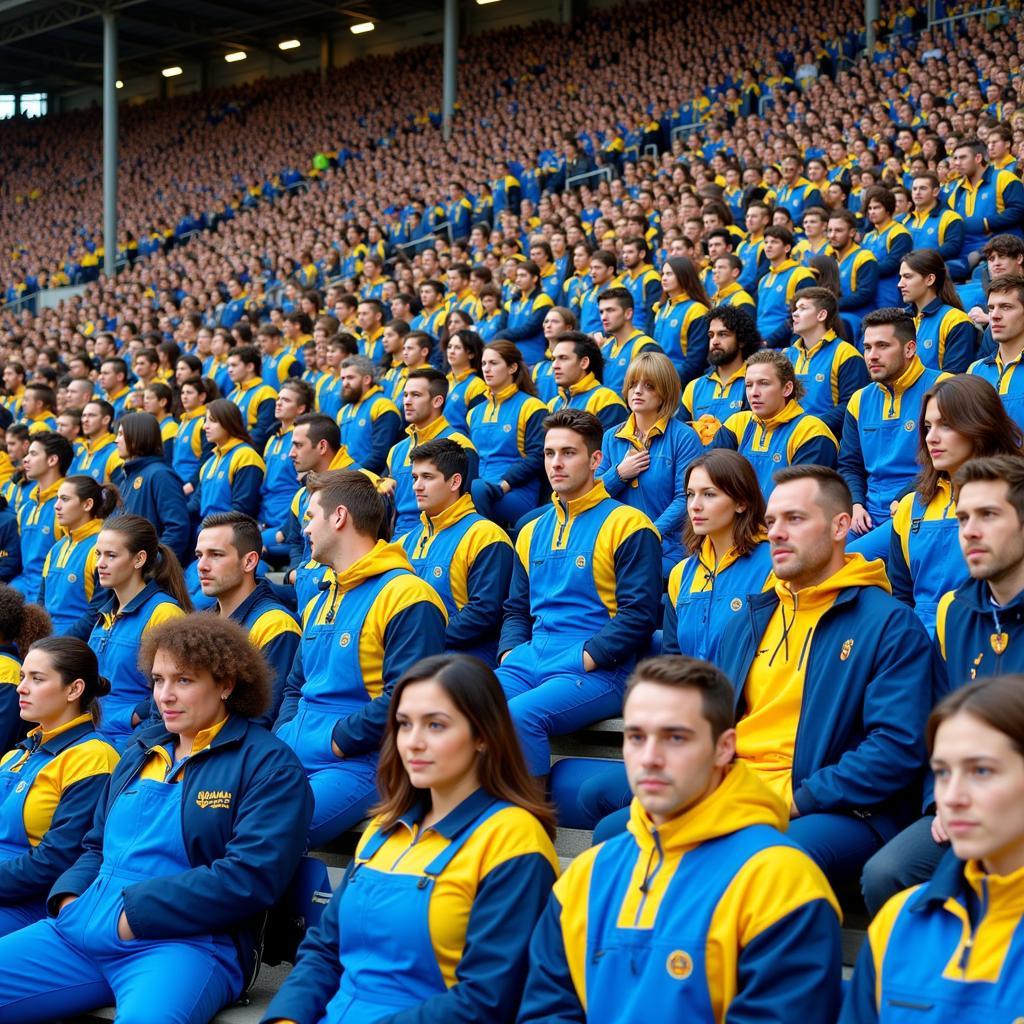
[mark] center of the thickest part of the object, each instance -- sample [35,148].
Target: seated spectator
[557,321]
[711,831]
[280,483]
[932,225]
[160,890]
[961,419]
[148,486]
[622,341]
[777,289]
[946,338]
[460,825]
[157,400]
[231,478]
[877,454]
[641,280]
[858,268]
[466,387]
[829,369]
[577,371]
[38,408]
[360,634]
[979,633]
[833,705]
[776,432]
[728,555]
[70,586]
[252,396]
[507,434]
[370,422]
[525,312]
[190,445]
[98,456]
[643,462]
[147,588]
[888,241]
[51,782]
[1006,326]
[21,625]
[113,381]
[680,322]
[971,906]
[467,559]
[583,599]
[708,400]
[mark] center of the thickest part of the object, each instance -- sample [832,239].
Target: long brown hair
[161,563]
[226,414]
[475,691]
[511,356]
[997,701]
[732,475]
[928,261]
[685,271]
[969,405]
[73,659]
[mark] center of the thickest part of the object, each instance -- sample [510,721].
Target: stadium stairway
[604,740]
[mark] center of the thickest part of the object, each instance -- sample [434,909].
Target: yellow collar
[89,529]
[577,506]
[459,509]
[230,444]
[427,433]
[506,392]
[45,737]
[99,442]
[628,431]
[186,417]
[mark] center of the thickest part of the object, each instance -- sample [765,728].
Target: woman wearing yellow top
[51,782]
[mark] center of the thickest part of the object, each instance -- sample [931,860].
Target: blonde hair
[656,368]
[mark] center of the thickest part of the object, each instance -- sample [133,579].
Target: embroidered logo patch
[345,639]
[438,571]
[138,483]
[819,377]
[776,457]
[507,428]
[909,426]
[213,799]
[736,604]
[72,578]
[679,965]
[581,562]
[845,652]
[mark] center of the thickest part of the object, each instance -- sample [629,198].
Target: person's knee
[880,879]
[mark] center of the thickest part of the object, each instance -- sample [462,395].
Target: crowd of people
[364,481]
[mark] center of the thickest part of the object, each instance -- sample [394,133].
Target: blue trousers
[907,859]
[839,844]
[586,789]
[20,915]
[504,508]
[548,696]
[44,976]
[873,544]
[342,795]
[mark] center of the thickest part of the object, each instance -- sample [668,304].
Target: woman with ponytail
[21,625]
[148,588]
[70,585]
[51,782]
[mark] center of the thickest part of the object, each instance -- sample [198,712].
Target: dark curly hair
[220,647]
[739,322]
[21,623]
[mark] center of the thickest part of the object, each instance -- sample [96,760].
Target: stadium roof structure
[56,45]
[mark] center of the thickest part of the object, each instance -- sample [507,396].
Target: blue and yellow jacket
[659,492]
[858,280]
[257,402]
[274,631]
[587,574]
[41,424]
[830,373]
[379,605]
[789,438]
[12,728]
[370,428]
[831,708]
[924,554]
[468,560]
[755,263]
[524,323]
[430,320]
[507,434]
[118,400]
[69,768]
[589,315]
[681,330]
[734,295]
[464,392]
[190,446]
[168,432]
[977,638]
[878,456]
[279,481]
[151,489]
[1008,382]
[328,394]
[589,394]
[276,369]
[97,459]
[994,206]
[481,912]
[716,897]
[938,228]
[400,468]
[946,950]
[803,251]
[798,196]
[706,594]
[229,481]
[644,284]
[888,246]
[248,791]
[37,523]
[709,400]
[946,337]
[70,587]
[619,354]
[775,293]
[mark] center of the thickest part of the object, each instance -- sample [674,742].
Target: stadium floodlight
[361,27]
[233,58]
[119,84]
[289,44]
[171,72]
[484,3]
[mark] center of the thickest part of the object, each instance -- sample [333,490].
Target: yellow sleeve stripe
[879,931]
[482,535]
[271,624]
[940,620]
[807,429]
[245,457]
[165,612]
[523,543]
[572,891]
[622,522]
[675,581]
[901,524]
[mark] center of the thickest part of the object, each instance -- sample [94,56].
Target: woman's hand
[939,834]
[124,929]
[634,464]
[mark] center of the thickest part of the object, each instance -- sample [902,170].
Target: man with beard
[370,422]
[711,399]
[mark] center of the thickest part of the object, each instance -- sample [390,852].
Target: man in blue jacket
[227,554]
[831,705]
[584,597]
[979,631]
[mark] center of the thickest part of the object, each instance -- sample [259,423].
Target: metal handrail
[682,130]
[977,12]
[600,172]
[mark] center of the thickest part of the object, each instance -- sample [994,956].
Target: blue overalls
[343,789]
[387,957]
[463,393]
[89,966]
[69,576]
[667,963]
[188,445]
